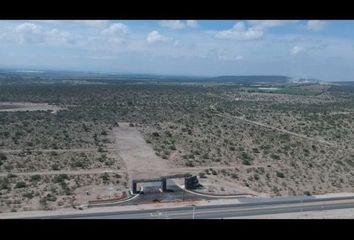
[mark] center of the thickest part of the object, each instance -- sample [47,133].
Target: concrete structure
[163,181]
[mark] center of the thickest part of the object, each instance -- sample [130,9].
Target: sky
[321,49]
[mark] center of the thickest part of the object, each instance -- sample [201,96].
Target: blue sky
[297,48]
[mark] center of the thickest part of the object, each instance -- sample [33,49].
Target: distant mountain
[252,79]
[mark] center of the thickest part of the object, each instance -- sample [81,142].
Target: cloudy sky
[318,49]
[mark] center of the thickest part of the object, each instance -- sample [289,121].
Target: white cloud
[116,29]
[155,36]
[315,25]
[192,23]
[92,23]
[55,36]
[296,50]
[179,24]
[173,24]
[88,23]
[27,28]
[269,23]
[240,32]
[28,33]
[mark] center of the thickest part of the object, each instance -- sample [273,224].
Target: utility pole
[193,211]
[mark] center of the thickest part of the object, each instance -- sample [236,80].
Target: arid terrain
[276,140]
[25,106]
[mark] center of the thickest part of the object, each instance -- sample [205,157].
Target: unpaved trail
[52,150]
[177,170]
[68,172]
[45,150]
[277,129]
[28,106]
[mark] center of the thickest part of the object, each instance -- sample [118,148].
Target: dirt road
[276,129]
[57,150]
[177,170]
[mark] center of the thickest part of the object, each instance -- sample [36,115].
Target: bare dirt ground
[222,186]
[139,157]
[98,192]
[26,106]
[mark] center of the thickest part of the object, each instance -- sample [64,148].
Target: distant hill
[252,79]
[20,74]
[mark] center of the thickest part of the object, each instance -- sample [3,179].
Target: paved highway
[257,208]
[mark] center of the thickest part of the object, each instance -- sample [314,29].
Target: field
[294,140]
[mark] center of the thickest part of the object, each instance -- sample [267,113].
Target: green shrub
[4,184]
[245,156]
[51,197]
[3,156]
[280,174]
[20,184]
[105,177]
[255,150]
[190,164]
[155,134]
[202,175]
[246,162]
[28,195]
[234,176]
[307,193]
[60,178]
[55,167]
[35,178]
[53,153]
[43,201]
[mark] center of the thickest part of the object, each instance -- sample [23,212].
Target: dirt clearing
[26,106]
[138,156]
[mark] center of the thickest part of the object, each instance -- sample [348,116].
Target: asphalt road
[257,208]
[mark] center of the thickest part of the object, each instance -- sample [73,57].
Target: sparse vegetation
[191,125]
